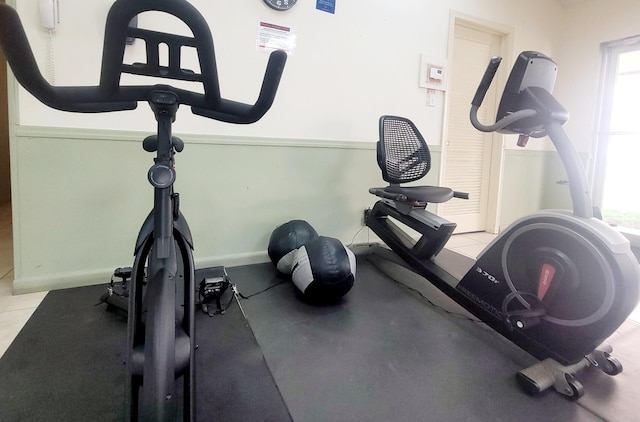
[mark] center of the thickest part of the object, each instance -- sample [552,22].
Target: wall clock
[281,4]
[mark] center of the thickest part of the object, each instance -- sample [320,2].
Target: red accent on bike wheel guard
[546,278]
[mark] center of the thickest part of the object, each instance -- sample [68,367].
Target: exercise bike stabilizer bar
[527,108]
[110,96]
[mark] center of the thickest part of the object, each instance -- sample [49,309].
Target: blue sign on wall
[326,5]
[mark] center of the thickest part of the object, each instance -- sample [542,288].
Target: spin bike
[161,341]
[556,283]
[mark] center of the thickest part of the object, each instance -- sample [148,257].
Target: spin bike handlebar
[109,95]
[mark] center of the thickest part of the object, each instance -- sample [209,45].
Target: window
[617,165]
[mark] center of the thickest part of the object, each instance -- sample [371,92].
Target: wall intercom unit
[49,13]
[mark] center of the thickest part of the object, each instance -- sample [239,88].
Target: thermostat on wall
[432,74]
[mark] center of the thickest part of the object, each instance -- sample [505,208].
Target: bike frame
[161,351]
[159,354]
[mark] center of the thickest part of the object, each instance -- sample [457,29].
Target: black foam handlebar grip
[487,78]
[16,48]
[234,112]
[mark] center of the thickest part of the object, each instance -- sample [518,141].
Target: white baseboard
[88,278]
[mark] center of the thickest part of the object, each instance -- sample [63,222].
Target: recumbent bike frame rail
[161,341]
[556,283]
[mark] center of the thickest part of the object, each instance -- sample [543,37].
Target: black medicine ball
[285,240]
[324,269]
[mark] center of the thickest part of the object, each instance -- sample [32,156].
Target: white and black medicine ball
[285,240]
[324,269]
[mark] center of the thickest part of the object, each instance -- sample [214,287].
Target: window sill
[632,234]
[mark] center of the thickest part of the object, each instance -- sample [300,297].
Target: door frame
[494,199]
[4,128]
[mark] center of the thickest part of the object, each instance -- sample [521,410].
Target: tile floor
[16,310]
[469,244]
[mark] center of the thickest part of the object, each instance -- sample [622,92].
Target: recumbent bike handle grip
[109,95]
[487,78]
[478,98]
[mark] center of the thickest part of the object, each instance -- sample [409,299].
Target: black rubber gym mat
[382,353]
[68,364]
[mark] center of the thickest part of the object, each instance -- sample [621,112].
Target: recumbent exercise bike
[556,283]
[161,342]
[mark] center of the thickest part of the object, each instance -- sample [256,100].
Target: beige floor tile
[472,251]
[6,285]
[19,302]
[6,266]
[7,277]
[459,240]
[10,325]
[481,237]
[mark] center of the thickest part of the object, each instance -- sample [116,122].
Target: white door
[471,159]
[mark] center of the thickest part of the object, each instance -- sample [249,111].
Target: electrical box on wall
[432,74]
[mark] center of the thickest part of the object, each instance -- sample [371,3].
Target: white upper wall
[347,69]
[586,26]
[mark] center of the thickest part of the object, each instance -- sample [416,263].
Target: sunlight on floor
[635,315]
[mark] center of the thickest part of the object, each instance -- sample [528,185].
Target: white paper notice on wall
[433,73]
[276,37]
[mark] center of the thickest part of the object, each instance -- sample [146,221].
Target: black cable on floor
[263,290]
